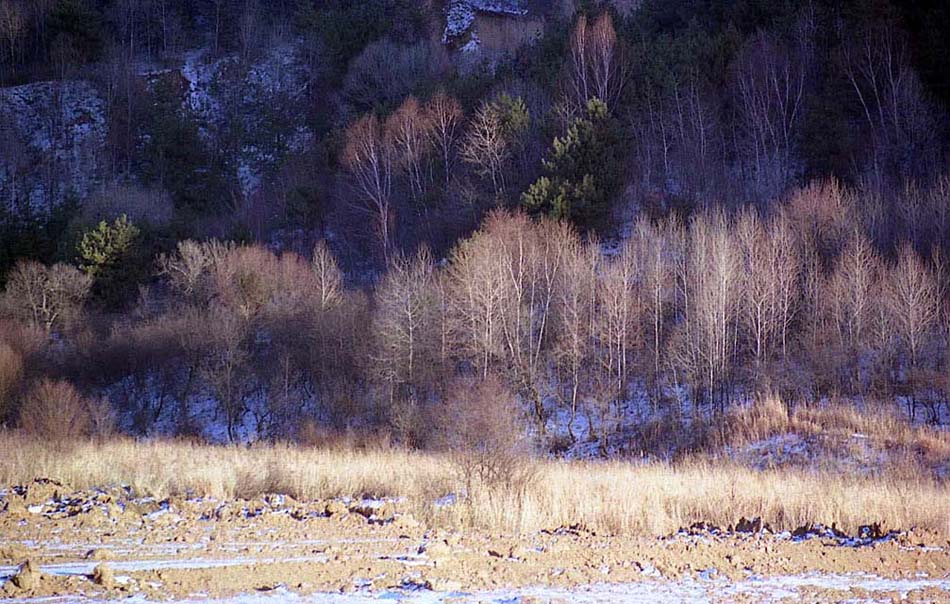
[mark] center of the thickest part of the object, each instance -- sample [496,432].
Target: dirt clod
[103,575]
[27,575]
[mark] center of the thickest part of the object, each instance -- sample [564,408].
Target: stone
[99,554]
[386,512]
[103,575]
[519,552]
[27,575]
[436,549]
[749,526]
[335,508]
[12,553]
[436,584]
[405,522]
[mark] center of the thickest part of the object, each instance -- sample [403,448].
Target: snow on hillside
[52,137]
[53,134]
[263,97]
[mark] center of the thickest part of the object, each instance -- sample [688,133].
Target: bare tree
[487,147]
[684,123]
[574,345]
[785,255]
[771,77]
[712,304]
[476,289]
[411,137]
[48,297]
[596,67]
[406,327]
[503,283]
[531,262]
[328,277]
[618,332]
[12,23]
[445,118]
[369,156]
[913,299]
[249,28]
[769,283]
[852,286]
[655,248]
[225,367]
[898,116]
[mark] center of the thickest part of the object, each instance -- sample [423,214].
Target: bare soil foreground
[106,544]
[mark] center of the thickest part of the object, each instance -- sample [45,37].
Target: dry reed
[613,497]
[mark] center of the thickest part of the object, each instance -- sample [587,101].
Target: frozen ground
[849,588]
[276,549]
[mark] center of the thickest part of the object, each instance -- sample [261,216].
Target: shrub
[54,411]
[481,429]
[11,371]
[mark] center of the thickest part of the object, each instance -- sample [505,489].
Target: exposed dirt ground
[109,544]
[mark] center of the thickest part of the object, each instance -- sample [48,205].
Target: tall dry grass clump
[880,425]
[609,497]
[11,371]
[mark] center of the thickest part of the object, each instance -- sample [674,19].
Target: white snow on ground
[692,591]
[66,569]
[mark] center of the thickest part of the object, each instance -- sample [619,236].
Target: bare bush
[189,268]
[386,72]
[54,411]
[487,442]
[152,207]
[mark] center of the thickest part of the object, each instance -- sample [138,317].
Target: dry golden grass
[910,447]
[769,416]
[614,497]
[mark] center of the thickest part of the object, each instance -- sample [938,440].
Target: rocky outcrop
[52,135]
[462,20]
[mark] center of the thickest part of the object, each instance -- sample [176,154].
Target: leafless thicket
[720,307]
